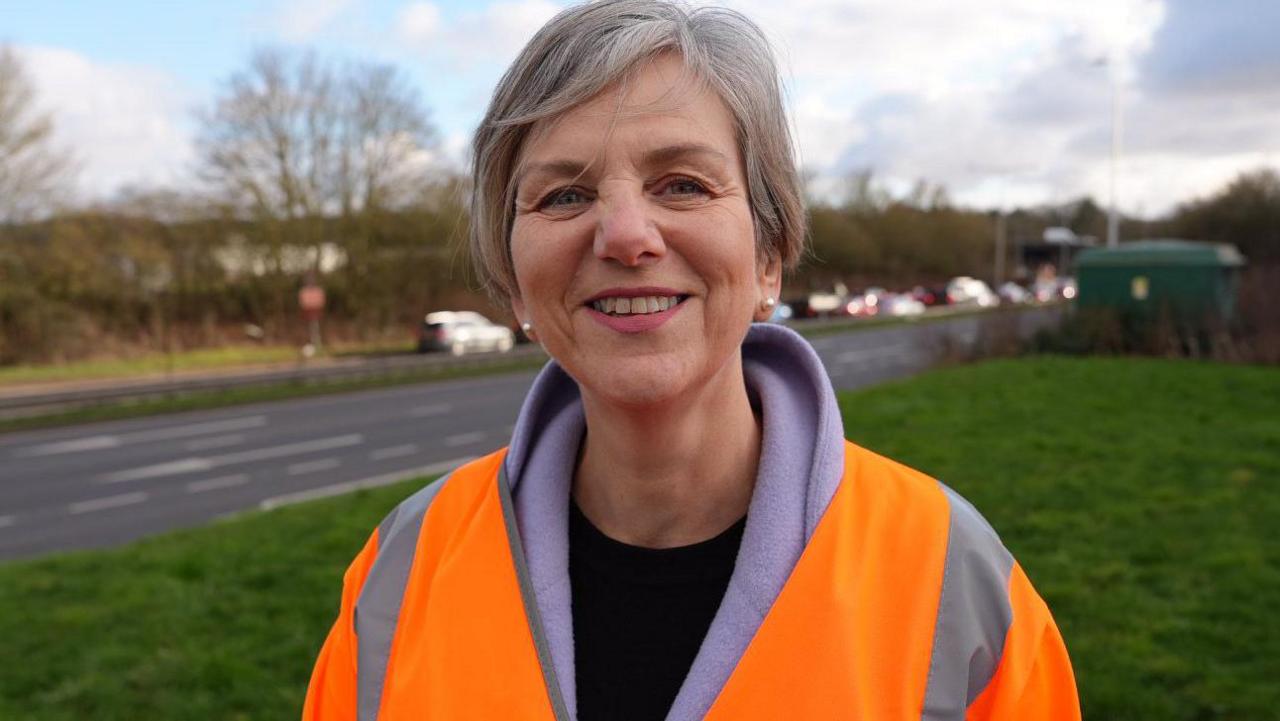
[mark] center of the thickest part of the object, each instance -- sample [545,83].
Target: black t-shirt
[639,617]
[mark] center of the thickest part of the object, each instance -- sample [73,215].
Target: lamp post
[1117,122]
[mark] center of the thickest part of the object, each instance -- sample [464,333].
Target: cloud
[126,125]
[479,41]
[1224,47]
[301,20]
[985,97]
[419,22]
[1003,101]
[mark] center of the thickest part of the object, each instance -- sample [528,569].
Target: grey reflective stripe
[378,606]
[530,600]
[974,614]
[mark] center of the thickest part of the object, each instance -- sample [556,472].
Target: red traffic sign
[311,300]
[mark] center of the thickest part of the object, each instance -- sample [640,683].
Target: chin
[638,382]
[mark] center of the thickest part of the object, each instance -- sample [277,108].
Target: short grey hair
[589,48]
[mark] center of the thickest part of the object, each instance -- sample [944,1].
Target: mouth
[622,306]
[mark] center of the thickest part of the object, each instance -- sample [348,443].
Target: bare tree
[296,137]
[315,153]
[32,171]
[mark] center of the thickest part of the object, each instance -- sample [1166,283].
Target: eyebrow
[672,153]
[658,156]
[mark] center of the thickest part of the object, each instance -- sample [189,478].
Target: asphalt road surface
[103,484]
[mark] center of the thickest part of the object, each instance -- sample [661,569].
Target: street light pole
[1113,214]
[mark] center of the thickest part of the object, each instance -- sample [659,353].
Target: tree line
[314,170]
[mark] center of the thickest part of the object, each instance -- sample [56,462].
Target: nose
[625,231]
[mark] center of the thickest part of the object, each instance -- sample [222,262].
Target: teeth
[635,306]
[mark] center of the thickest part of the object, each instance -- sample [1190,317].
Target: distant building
[1053,253]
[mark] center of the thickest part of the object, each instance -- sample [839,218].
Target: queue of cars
[959,291]
[464,331]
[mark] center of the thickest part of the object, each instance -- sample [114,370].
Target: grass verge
[151,364]
[1138,494]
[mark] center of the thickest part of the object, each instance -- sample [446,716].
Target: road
[105,484]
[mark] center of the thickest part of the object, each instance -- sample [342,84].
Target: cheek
[542,261]
[725,249]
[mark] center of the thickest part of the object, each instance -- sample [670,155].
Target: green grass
[219,622]
[203,359]
[151,364]
[1140,496]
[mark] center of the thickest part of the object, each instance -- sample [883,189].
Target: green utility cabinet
[1193,281]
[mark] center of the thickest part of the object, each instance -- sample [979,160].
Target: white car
[971,291]
[1011,292]
[462,332]
[900,305]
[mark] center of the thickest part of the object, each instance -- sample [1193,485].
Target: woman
[678,529]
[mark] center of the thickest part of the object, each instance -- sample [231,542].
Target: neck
[671,474]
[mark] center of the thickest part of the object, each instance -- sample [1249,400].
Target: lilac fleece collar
[801,464]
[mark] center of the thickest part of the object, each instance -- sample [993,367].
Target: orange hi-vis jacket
[902,605]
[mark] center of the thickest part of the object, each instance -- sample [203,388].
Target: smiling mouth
[642,305]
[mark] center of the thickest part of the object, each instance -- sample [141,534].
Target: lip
[631,324]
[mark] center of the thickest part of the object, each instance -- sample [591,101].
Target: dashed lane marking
[208,444]
[382,454]
[103,442]
[102,504]
[197,465]
[384,479]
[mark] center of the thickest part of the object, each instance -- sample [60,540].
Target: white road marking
[75,445]
[324,464]
[6,521]
[291,449]
[382,454]
[463,439]
[102,442]
[435,409]
[384,479]
[170,468]
[214,484]
[197,465]
[102,504]
[208,444]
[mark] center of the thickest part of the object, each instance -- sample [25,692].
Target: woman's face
[633,241]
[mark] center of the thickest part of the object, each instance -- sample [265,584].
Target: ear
[769,280]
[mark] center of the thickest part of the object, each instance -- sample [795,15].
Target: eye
[564,198]
[684,188]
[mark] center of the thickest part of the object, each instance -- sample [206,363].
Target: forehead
[660,105]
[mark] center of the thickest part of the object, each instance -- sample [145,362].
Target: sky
[1005,102]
